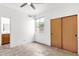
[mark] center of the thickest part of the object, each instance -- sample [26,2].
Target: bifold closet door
[56,33]
[69,33]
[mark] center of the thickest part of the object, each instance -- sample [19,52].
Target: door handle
[75,35]
[51,33]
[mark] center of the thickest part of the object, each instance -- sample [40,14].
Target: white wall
[60,10]
[44,36]
[22,27]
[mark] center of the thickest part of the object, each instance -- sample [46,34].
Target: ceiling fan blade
[32,6]
[23,5]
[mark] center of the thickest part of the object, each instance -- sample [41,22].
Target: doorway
[64,33]
[5,30]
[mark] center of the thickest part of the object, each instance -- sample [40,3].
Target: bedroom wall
[22,27]
[60,10]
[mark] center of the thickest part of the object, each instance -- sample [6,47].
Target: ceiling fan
[31,4]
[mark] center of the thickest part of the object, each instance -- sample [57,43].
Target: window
[39,25]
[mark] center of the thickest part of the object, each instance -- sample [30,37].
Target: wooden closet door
[56,33]
[69,33]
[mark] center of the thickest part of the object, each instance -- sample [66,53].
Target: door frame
[61,30]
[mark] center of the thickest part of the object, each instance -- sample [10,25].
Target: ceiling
[40,7]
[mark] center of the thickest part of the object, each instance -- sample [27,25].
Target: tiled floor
[33,49]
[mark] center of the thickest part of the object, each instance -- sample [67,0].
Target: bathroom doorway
[5,31]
